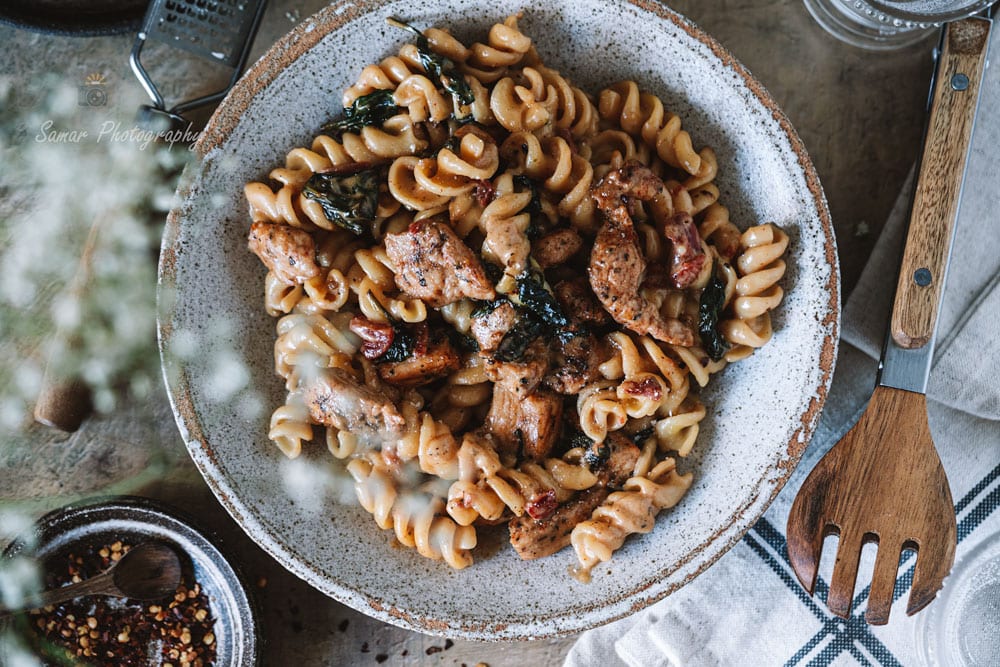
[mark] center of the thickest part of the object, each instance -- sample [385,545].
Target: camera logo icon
[93,92]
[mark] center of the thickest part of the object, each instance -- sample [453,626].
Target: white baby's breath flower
[19,580]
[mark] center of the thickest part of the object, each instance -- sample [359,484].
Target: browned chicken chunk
[520,377]
[434,265]
[490,329]
[576,363]
[580,304]
[288,252]
[525,427]
[556,247]
[422,367]
[334,398]
[617,265]
[537,538]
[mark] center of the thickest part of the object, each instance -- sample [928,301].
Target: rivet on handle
[922,277]
[959,81]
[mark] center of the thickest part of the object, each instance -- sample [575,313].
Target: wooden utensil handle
[64,400]
[935,202]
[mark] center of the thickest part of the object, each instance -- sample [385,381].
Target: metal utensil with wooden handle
[883,482]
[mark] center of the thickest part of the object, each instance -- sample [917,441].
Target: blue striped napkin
[748,609]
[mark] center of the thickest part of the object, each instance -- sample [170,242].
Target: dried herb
[713,299]
[348,200]
[438,67]
[597,453]
[371,109]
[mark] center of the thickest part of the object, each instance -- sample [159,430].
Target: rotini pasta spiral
[486,487]
[757,293]
[632,510]
[417,520]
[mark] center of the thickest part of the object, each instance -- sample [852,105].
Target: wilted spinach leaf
[517,340]
[371,109]
[534,208]
[709,309]
[348,200]
[532,294]
[438,68]
[402,345]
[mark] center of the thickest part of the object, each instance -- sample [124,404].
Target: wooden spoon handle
[64,400]
[101,584]
[939,184]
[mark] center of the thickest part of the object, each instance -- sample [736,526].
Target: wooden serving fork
[883,482]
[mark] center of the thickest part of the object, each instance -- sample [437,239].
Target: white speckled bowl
[761,411]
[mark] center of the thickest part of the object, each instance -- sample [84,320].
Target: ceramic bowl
[132,520]
[217,341]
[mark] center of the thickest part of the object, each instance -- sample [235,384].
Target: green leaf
[439,69]
[532,294]
[371,109]
[710,307]
[348,200]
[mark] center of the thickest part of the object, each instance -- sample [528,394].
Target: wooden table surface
[860,115]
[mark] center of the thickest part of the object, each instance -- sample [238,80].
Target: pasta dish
[498,295]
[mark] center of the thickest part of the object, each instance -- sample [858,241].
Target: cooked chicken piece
[632,181]
[617,266]
[525,427]
[490,329]
[556,248]
[334,398]
[520,377]
[536,538]
[434,265]
[422,367]
[687,257]
[576,363]
[622,457]
[580,304]
[288,252]
[533,538]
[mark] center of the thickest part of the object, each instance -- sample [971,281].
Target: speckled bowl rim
[223,122]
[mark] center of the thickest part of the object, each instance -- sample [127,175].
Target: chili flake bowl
[132,521]
[217,341]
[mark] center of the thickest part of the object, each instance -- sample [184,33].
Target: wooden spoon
[150,571]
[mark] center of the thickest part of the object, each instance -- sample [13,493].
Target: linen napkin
[748,608]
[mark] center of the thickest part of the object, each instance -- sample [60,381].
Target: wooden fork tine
[845,573]
[805,546]
[934,559]
[883,581]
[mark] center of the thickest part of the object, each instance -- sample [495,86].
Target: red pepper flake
[108,632]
